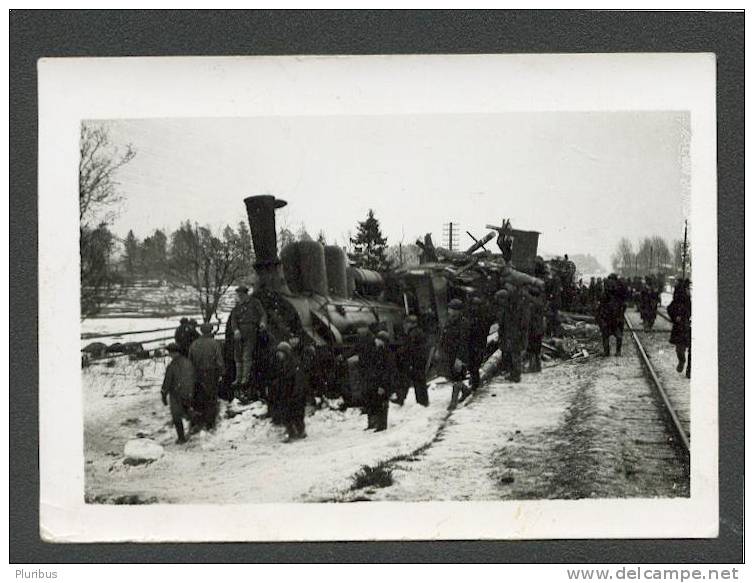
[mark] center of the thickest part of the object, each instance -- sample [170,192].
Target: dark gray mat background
[35,34]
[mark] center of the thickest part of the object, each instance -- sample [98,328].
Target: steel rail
[675,422]
[664,315]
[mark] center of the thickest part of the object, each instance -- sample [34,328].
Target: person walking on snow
[178,389]
[453,346]
[289,390]
[679,312]
[185,334]
[610,313]
[412,358]
[206,356]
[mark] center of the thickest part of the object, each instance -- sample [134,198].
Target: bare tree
[302,234]
[623,259]
[644,256]
[404,255]
[99,280]
[207,264]
[662,257]
[653,255]
[285,236]
[99,163]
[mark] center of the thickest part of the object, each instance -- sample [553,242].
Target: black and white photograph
[380,311]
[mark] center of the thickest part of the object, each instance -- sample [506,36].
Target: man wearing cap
[206,355]
[365,350]
[453,344]
[610,313]
[649,299]
[185,334]
[412,361]
[289,400]
[385,379]
[246,320]
[178,388]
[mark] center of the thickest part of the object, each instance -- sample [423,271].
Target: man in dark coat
[385,380]
[282,374]
[207,357]
[515,329]
[412,361]
[536,329]
[610,313]
[374,371]
[308,361]
[649,299]
[178,388]
[247,318]
[453,351]
[185,334]
[679,312]
[479,328]
[289,389]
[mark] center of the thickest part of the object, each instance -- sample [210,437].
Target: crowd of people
[286,375]
[202,370]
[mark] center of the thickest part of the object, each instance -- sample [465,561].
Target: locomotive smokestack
[261,212]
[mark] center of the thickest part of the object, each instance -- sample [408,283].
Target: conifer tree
[369,246]
[131,258]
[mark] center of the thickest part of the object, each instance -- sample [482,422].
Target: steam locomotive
[311,292]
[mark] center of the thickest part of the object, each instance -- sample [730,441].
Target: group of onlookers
[192,378]
[284,374]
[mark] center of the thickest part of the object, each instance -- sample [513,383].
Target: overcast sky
[582,179]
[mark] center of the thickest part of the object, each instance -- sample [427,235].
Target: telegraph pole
[450,234]
[685,242]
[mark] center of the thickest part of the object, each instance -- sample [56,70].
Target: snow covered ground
[146,305]
[581,428]
[244,460]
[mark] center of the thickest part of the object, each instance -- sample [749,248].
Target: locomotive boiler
[308,290]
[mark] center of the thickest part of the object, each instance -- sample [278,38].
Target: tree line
[651,255]
[193,256]
[207,263]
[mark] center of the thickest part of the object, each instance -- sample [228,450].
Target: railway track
[678,425]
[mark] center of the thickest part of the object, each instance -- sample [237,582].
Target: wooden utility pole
[450,234]
[685,241]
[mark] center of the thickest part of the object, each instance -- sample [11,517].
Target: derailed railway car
[310,291]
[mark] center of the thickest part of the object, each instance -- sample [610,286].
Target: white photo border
[73,89]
